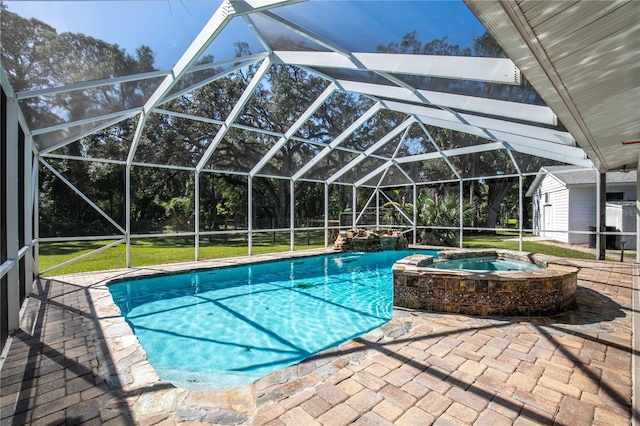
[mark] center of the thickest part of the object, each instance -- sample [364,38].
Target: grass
[497,241]
[156,251]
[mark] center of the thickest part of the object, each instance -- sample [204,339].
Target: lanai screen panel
[174,141]
[55,141]
[351,24]
[111,143]
[435,169]
[240,151]
[73,61]
[98,64]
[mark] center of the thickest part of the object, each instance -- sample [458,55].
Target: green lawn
[497,241]
[156,251]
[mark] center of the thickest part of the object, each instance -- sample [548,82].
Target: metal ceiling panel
[582,33]
[497,70]
[570,20]
[494,70]
[541,11]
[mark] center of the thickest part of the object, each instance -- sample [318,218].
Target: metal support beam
[196,224]
[338,140]
[294,128]
[473,149]
[461,215]
[292,214]
[27,187]
[638,213]
[509,110]
[127,226]
[601,197]
[10,167]
[520,212]
[250,215]
[415,213]
[36,213]
[353,210]
[326,214]
[520,198]
[486,125]
[377,208]
[235,112]
[136,139]
[494,70]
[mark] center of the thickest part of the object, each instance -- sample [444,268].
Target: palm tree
[439,211]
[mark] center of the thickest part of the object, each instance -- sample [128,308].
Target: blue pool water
[228,327]
[485,264]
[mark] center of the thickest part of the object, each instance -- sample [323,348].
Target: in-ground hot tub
[485,282]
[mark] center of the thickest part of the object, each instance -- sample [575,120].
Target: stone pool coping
[545,291]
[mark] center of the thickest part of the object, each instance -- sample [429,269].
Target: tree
[484,197]
[35,56]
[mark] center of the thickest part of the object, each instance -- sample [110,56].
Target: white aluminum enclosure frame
[509,126]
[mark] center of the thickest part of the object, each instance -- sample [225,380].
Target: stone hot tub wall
[545,291]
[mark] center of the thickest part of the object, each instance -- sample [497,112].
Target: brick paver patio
[73,362]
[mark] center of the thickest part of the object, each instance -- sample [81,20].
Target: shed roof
[572,176]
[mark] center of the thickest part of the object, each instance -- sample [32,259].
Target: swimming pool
[230,326]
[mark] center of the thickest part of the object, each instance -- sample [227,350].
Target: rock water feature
[370,240]
[546,290]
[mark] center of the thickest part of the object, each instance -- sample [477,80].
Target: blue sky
[168,27]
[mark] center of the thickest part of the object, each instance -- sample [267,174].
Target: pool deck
[75,361]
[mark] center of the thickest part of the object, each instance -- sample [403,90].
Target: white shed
[564,201]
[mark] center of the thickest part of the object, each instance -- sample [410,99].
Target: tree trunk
[497,192]
[282,207]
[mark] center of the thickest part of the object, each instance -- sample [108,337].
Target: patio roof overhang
[583,58]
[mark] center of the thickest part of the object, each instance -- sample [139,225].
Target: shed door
[548,220]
